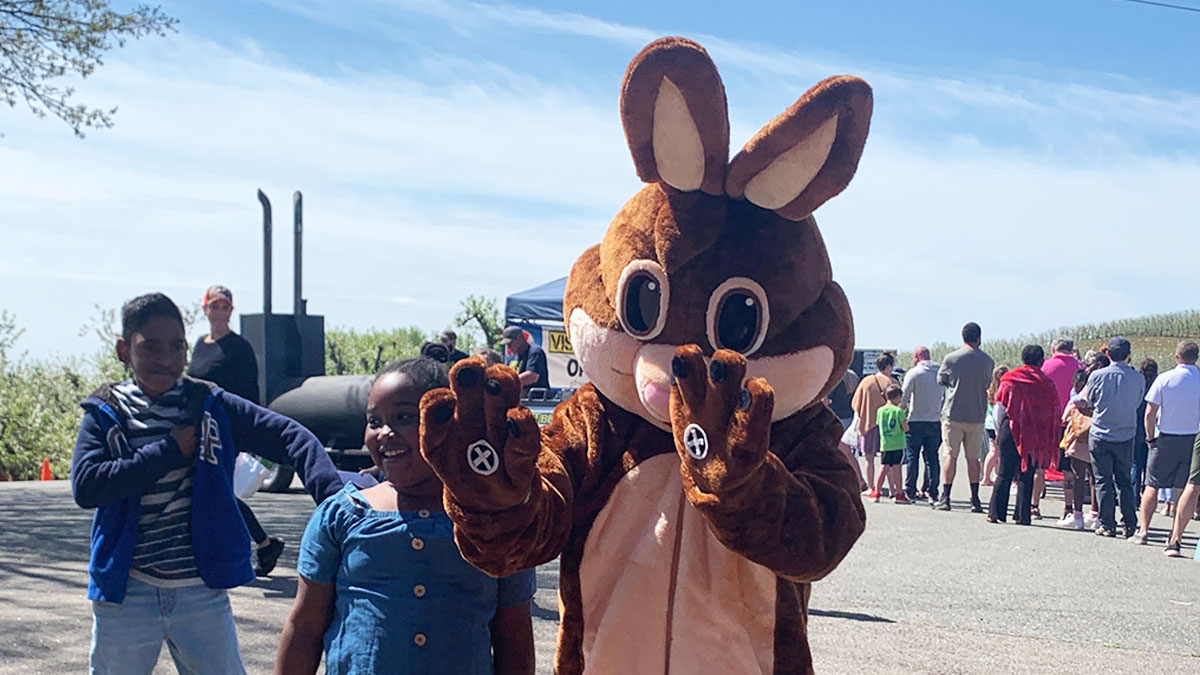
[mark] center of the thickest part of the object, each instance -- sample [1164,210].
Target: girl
[1075,444]
[992,462]
[382,584]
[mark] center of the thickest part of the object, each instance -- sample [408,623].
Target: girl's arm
[512,641]
[304,631]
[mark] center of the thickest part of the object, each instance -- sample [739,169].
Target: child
[893,424]
[382,585]
[1075,444]
[991,461]
[155,458]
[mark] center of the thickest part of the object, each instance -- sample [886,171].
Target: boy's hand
[478,438]
[185,438]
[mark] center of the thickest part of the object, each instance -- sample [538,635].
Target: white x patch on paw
[483,458]
[695,441]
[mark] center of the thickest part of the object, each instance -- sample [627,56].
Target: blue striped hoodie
[109,476]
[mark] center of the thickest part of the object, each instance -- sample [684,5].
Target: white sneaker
[1091,520]
[1138,538]
[1071,521]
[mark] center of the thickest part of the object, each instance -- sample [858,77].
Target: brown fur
[776,492]
[691,70]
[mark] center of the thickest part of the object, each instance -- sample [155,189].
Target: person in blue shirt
[383,587]
[154,458]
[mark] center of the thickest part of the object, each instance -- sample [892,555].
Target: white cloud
[465,174]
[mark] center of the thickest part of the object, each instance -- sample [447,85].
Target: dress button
[418,544]
[419,591]
[419,639]
[424,513]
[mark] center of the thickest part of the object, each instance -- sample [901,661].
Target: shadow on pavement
[853,616]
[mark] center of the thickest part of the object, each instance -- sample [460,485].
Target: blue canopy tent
[540,303]
[539,312]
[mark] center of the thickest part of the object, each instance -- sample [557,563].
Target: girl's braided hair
[422,370]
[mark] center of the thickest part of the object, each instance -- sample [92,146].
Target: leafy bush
[39,408]
[350,352]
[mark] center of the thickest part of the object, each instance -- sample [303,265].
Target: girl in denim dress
[383,588]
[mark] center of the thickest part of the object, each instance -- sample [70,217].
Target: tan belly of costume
[660,594]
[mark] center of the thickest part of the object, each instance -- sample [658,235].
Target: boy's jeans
[923,441]
[196,622]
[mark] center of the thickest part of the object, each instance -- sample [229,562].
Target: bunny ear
[676,123]
[809,153]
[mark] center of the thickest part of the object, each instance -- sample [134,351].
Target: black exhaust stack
[266,207]
[291,347]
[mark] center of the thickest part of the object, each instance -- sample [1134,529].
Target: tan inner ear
[678,150]
[785,178]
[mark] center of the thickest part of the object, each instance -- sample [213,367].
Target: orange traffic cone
[46,475]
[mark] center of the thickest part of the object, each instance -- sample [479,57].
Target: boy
[892,421]
[155,458]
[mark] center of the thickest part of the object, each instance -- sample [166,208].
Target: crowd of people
[155,453]
[1119,438]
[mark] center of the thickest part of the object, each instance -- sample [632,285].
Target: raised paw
[721,423]
[478,438]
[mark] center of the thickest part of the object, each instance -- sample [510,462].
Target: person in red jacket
[1027,432]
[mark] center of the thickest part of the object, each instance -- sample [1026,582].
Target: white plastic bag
[248,475]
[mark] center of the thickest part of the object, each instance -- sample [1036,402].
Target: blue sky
[1030,165]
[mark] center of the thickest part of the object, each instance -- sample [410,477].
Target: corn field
[1154,336]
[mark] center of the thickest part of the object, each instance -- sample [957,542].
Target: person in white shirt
[1173,411]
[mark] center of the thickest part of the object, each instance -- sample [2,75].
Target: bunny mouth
[657,400]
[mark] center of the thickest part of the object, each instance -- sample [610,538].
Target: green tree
[43,41]
[350,352]
[482,317]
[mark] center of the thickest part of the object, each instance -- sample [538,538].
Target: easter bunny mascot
[693,488]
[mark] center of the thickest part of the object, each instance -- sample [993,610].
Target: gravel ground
[922,592]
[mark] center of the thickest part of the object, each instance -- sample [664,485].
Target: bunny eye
[738,316]
[642,297]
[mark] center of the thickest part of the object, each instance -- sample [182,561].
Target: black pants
[1081,470]
[1010,468]
[1112,465]
[923,441]
[256,531]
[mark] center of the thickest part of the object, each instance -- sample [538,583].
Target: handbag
[248,475]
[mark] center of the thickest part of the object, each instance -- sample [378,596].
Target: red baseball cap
[216,292]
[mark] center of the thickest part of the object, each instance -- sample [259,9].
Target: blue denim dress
[406,602]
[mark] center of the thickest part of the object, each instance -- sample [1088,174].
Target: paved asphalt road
[922,592]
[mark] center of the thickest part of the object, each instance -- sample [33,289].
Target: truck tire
[279,479]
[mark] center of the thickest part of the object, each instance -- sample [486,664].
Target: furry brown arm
[800,512]
[535,531]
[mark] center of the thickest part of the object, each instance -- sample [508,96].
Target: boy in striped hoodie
[154,458]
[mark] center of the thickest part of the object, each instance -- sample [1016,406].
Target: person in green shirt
[893,425]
